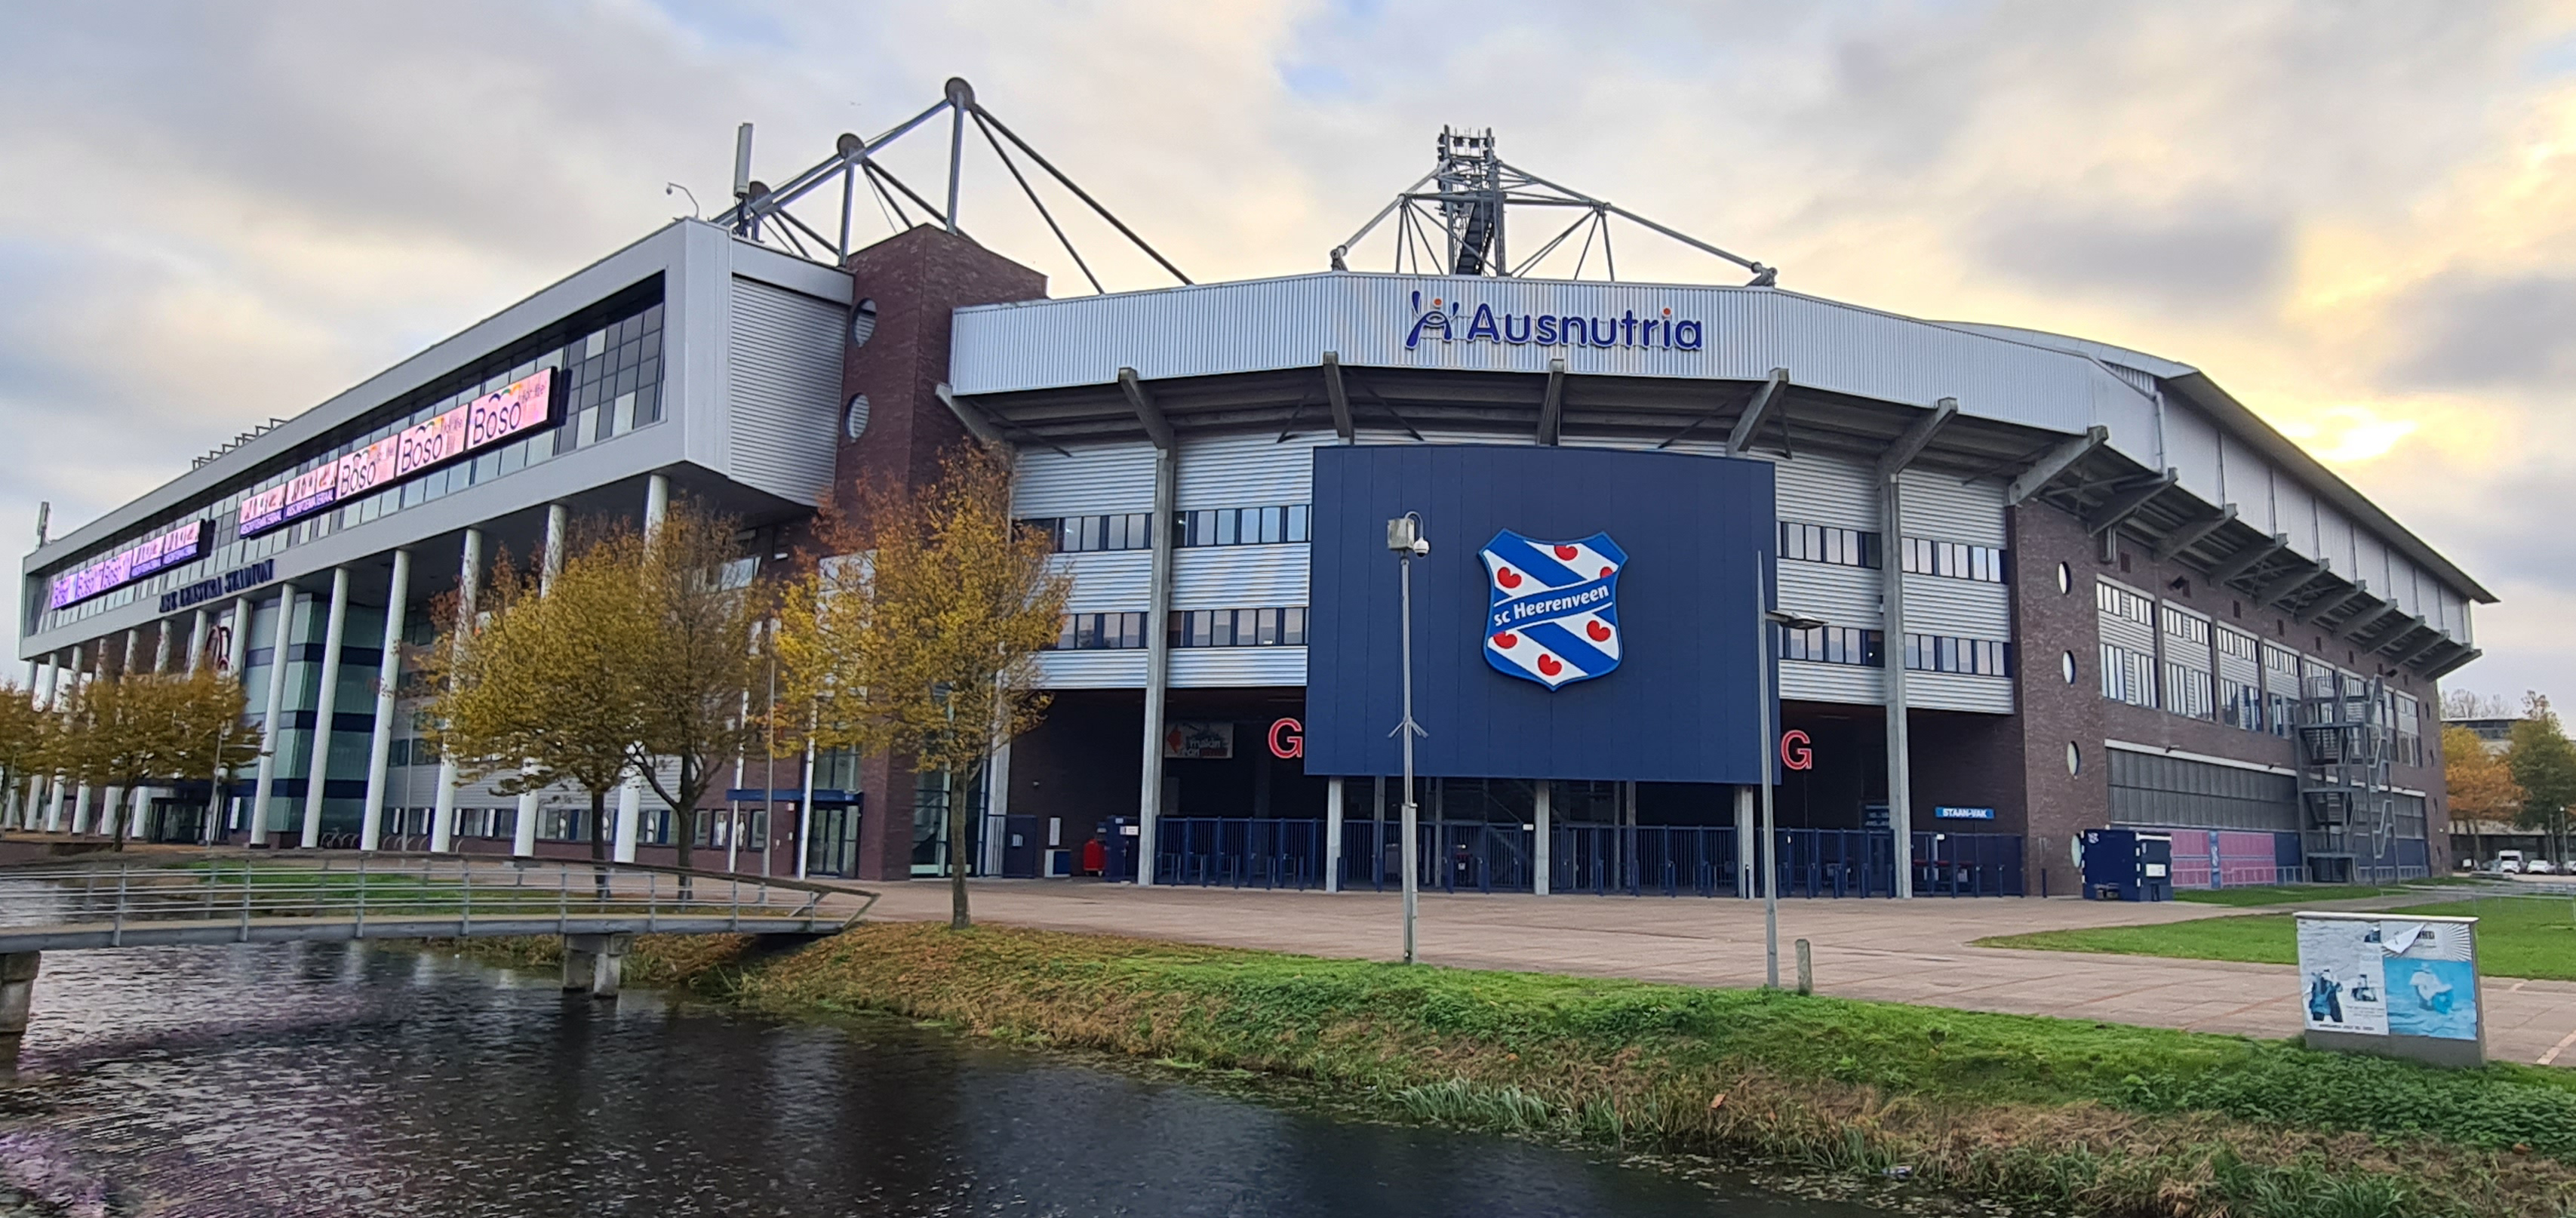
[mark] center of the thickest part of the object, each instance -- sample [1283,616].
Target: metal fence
[1632,860]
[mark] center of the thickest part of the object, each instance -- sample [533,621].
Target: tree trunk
[598,824]
[957,919]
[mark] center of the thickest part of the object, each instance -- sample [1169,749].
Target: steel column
[256,820]
[442,816]
[1158,657]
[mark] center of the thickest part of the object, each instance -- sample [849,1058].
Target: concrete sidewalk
[1918,952]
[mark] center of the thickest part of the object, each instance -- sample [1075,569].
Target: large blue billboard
[1584,613]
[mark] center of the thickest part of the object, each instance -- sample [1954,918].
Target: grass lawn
[2305,894]
[2518,936]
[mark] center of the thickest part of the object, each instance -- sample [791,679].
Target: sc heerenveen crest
[1555,614]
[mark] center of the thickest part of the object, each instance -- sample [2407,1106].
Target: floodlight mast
[1473,191]
[760,211]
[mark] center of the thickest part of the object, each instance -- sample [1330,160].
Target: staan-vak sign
[155,553]
[513,410]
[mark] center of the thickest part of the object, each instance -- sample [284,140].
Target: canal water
[296,1079]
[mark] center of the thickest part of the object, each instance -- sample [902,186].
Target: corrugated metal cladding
[1959,608]
[1255,470]
[1844,596]
[1826,490]
[1236,577]
[2151,789]
[1092,669]
[1940,506]
[784,387]
[1289,323]
[1236,667]
[1088,481]
[2191,448]
[1115,581]
[1959,692]
[1805,682]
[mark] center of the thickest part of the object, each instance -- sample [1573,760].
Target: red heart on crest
[1507,577]
[1600,633]
[1548,666]
[1507,640]
[1605,571]
[1566,551]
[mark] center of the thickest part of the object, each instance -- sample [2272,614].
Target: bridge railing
[405,895]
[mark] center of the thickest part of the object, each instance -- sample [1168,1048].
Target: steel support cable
[1589,231]
[981,124]
[1550,248]
[917,201]
[794,188]
[1078,192]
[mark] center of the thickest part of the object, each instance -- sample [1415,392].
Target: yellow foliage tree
[919,640]
[134,730]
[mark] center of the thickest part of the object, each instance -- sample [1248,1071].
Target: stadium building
[2004,586]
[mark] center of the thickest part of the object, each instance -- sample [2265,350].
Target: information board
[2389,983]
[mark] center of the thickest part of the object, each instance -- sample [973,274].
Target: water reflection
[295,1079]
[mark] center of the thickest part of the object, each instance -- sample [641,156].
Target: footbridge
[209,898]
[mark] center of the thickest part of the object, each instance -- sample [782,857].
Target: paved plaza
[1918,952]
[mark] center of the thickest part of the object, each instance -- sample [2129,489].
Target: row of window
[1954,560]
[1251,526]
[1942,653]
[1802,542]
[1923,652]
[1827,544]
[1283,626]
[2217,672]
[611,359]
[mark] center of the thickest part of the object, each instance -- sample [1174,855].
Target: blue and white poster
[2339,964]
[2432,979]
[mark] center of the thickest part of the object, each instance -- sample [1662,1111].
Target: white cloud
[214,214]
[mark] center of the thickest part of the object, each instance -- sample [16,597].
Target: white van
[2509,861]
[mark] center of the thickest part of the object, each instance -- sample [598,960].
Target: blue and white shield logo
[1555,615]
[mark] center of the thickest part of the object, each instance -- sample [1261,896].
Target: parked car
[2540,867]
[2509,862]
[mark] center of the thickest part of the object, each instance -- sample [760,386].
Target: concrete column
[1543,814]
[630,795]
[380,743]
[805,807]
[197,627]
[237,662]
[133,648]
[442,817]
[161,647]
[325,704]
[630,816]
[997,808]
[17,995]
[1158,659]
[66,678]
[595,962]
[1746,849]
[523,833]
[40,786]
[1332,835]
[256,819]
[1900,755]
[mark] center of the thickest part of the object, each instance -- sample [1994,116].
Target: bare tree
[920,640]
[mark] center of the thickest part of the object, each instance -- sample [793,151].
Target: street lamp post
[1404,537]
[1768,619]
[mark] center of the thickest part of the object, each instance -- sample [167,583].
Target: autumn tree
[2543,764]
[691,657]
[23,731]
[2480,782]
[538,688]
[136,730]
[919,641]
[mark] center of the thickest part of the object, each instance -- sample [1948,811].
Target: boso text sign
[1583,613]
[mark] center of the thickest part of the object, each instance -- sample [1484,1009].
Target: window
[2280,689]
[2409,715]
[1941,653]
[2128,675]
[1279,627]
[1833,645]
[1085,534]
[2240,679]
[1827,544]
[1101,632]
[1954,560]
[2187,691]
[2186,627]
[2119,602]
[1249,526]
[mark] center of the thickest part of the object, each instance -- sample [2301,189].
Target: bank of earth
[2094,1118]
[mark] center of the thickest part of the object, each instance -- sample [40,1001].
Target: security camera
[1421,547]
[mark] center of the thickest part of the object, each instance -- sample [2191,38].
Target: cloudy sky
[2359,217]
